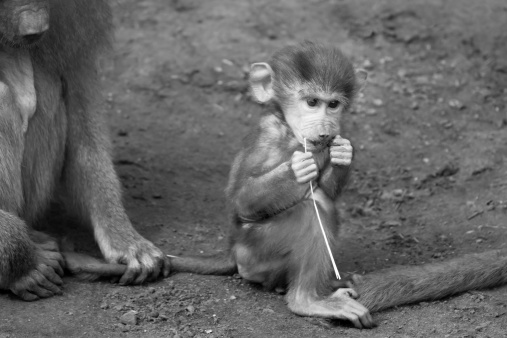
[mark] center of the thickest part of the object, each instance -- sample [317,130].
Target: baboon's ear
[361,76]
[261,81]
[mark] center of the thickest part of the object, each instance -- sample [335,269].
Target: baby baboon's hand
[340,152]
[304,167]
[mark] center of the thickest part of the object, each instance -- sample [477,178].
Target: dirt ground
[429,182]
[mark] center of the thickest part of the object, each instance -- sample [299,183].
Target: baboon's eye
[333,104]
[312,102]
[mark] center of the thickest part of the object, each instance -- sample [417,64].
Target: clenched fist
[304,167]
[340,152]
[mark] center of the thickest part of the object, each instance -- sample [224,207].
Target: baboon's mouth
[317,145]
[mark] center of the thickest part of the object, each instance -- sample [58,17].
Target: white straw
[322,228]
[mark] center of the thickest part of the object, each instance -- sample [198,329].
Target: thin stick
[322,228]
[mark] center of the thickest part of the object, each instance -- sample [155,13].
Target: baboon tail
[409,284]
[220,264]
[88,268]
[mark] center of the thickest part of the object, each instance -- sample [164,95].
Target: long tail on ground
[220,264]
[410,284]
[89,268]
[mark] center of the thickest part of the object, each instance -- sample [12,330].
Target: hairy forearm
[333,179]
[16,249]
[97,191]
[268,194]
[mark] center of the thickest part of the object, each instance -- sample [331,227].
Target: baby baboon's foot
[344,301]
[340,305]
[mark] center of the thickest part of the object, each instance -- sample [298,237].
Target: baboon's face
[314,114]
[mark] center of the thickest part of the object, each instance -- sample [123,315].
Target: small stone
[154,314]
[232,297]
[391,224]
[414,106]
[385,59]
[190,309]
[378,102]
[367,64]
[456,104]
[104,306]
[269,311]
[129,318]
[398,192]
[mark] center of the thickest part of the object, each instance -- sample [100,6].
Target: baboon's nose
[33,24]
[324,138]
